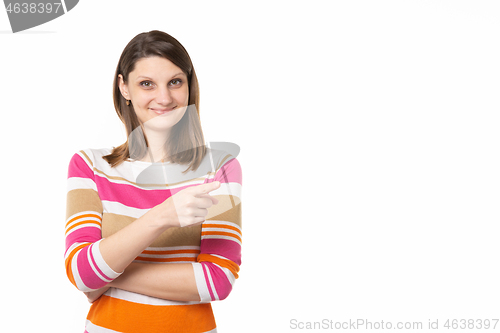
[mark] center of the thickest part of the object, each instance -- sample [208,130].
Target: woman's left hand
[93,296]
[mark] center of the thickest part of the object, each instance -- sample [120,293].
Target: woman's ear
[123,87]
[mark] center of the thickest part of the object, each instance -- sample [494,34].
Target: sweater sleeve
[85,267]
[220,250]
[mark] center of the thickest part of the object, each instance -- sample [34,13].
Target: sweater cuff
[201,283]
[101,268]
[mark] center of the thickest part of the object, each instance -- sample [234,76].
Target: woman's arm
[92,262]
[85,268]
[174,282]
[185,208]
[212,276]
[92,296]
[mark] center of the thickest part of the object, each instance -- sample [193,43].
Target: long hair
[186,144]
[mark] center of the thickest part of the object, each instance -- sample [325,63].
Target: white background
[369,135]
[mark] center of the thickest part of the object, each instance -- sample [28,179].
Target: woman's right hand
[187,207]
[92,296]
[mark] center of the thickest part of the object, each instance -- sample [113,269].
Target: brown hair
[186,144]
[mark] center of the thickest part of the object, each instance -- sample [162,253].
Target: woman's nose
[164,96]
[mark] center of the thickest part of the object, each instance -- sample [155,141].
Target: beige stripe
[87,157]
[226,203]
[81,200]
[232,214]
[187,236]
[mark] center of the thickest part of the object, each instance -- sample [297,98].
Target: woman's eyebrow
[141,77]
[180,73]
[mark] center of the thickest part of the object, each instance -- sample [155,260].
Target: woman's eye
[146,84]
[176,82]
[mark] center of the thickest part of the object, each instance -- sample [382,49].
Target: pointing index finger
[208,187]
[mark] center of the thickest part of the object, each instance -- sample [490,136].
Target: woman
[145,241]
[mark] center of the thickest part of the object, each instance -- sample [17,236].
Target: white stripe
[174,248]
[210,280]
[174,255]
[78,183]
[231,224]
[85,225]
[221,237]
[143,299]
[228,189]
[83,213]
[219,256]
[91,328]
[161,262]
[200,282]
[119,208]
[223,230]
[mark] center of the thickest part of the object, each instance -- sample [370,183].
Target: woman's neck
[156,147]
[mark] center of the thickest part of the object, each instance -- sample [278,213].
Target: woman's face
[159,92]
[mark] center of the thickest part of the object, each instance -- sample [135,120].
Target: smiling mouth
[162,111]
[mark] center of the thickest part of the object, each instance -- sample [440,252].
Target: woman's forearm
[121,248]
[174,282]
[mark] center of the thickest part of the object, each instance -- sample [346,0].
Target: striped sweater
[101,200]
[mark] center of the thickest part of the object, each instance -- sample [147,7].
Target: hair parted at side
[186,144]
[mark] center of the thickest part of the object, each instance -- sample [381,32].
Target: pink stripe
[220,280]
[207,281]
[78,168]
[83,235]
[89,278]
[230,172]
[130,195]
[223,247]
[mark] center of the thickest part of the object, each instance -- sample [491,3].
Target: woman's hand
[187,207]
[92,296]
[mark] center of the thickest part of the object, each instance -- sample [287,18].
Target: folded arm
[94,264]
[212,277]
[172,281]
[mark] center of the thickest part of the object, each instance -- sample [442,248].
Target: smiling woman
[145,241]
[153,74]
[159,93]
